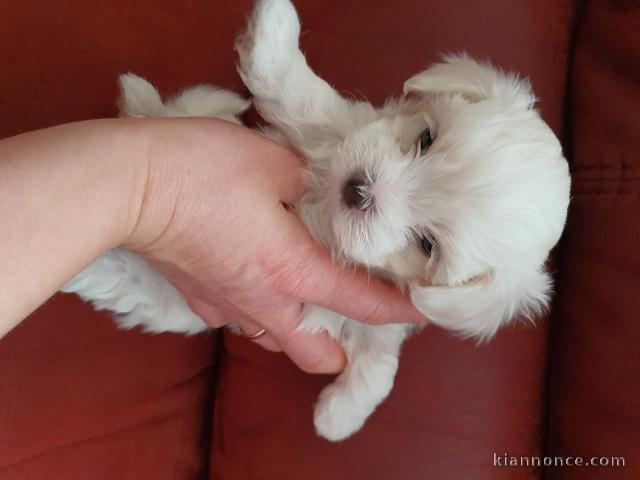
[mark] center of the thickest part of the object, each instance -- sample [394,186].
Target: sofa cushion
[80,399]
[595,368]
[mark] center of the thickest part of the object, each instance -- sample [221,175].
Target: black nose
[354,193]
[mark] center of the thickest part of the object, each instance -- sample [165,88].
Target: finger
[357,295]
[311,352]
[314,352]
[268,343]
[208,313]
[215,319]
[248,328]
[345,290]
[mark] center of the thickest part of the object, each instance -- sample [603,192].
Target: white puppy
[457,192]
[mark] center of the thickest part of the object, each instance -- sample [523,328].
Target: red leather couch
[81,400]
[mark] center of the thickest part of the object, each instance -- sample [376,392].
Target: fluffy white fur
[491,192]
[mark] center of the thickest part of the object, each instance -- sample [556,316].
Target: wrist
[118,154]
[155,191]
[178,162]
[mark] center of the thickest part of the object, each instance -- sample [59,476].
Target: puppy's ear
[478,308]
[138,98]
[460,74]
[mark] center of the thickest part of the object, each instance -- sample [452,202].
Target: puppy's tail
[138,98]
[209,101]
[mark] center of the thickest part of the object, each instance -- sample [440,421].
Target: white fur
[139,296]
[140,99]
[492,190]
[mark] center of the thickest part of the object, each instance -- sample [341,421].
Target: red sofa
[81,400]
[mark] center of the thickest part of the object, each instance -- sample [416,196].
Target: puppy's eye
[425,140]
[427,244]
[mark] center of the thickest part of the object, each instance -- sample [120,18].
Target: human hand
[214,221]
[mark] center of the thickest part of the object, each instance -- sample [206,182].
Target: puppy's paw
[270,42]
[336,415]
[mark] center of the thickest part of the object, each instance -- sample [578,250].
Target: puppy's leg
[125,284]
[287,93]
[372,356]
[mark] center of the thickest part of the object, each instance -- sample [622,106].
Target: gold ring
[255,336]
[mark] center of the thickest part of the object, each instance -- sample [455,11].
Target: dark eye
[426,244]
[425,140]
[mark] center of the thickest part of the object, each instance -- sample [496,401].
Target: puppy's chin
[401,264]
[354,252]
[356,239]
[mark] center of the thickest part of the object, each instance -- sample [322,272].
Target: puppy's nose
[354,193]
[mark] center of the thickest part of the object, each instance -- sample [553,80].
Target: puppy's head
[459,190]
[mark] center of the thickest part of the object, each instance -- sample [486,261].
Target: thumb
[348,291]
